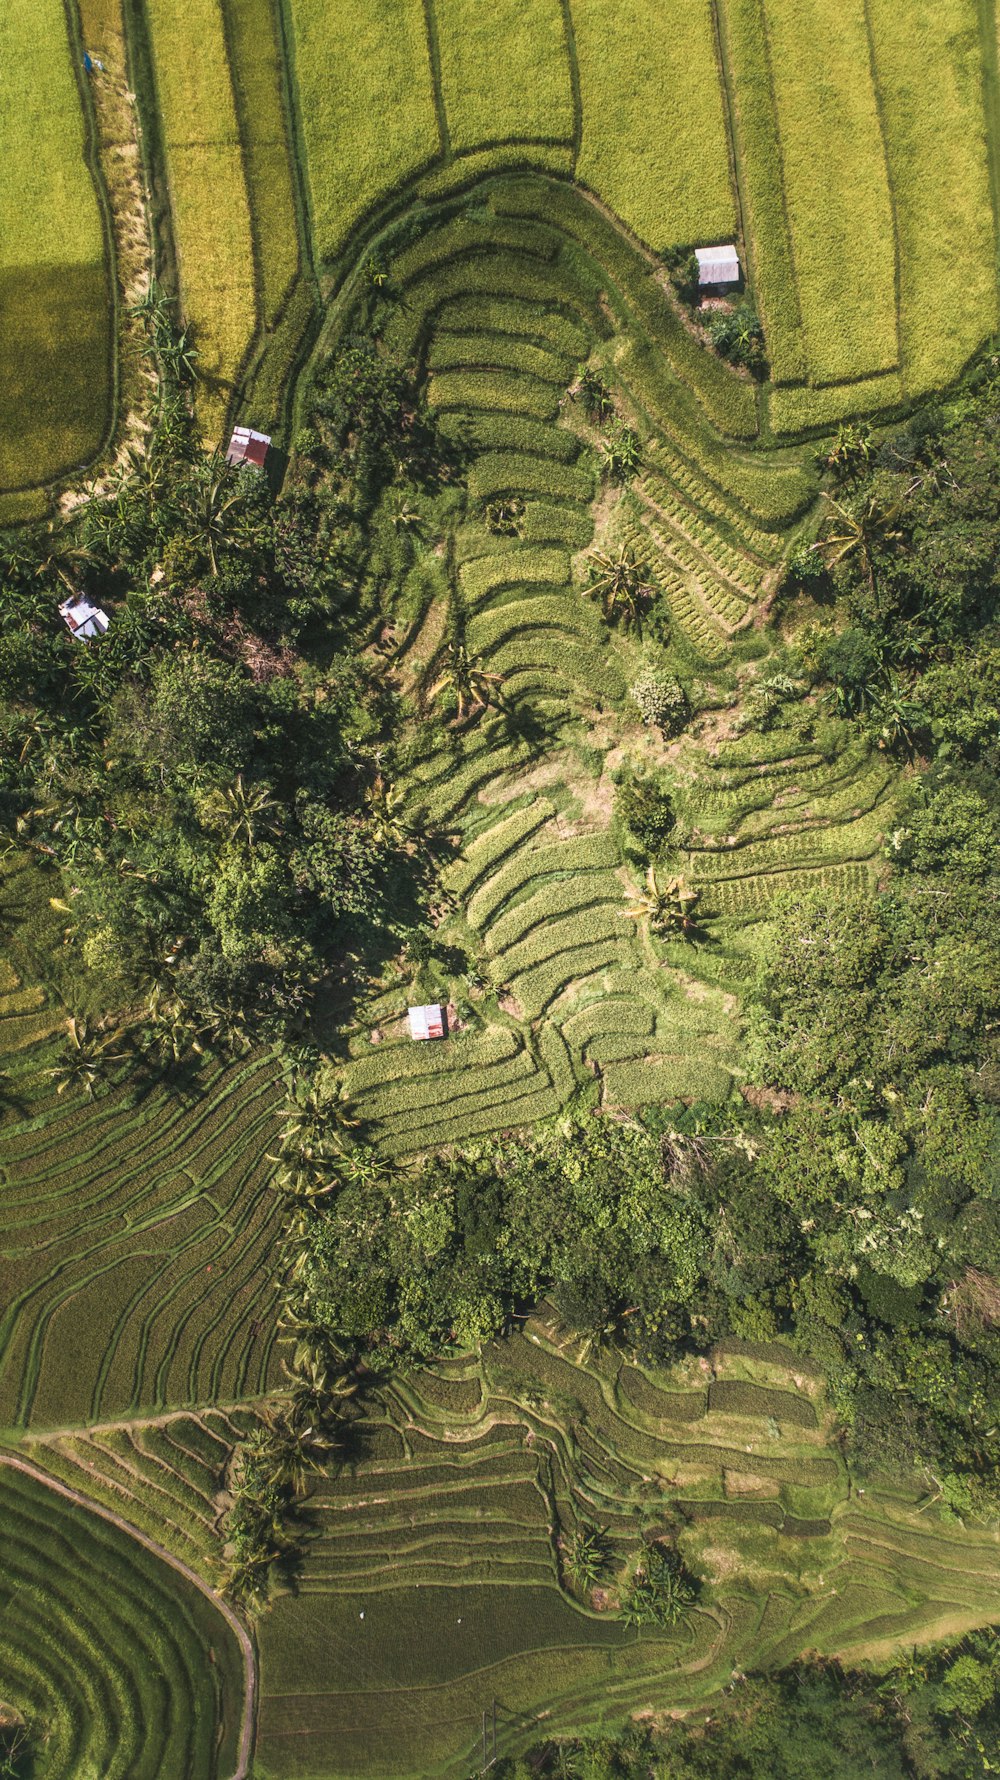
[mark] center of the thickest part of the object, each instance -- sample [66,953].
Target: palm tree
[172,1030]
[620,583]
[587,1555]
[405,517]
[87,1054]
[466,683]
[668,909]
[858,531]
[505,516]
[385,812]
[217,495]
[244,813]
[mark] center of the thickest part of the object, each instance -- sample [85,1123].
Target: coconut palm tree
[244,813]
[668,907]
[465,683]
[87,1055]
[171,1028]
[216,496]
[619,582]
[858,531]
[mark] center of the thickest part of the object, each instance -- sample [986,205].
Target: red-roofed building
[248,447]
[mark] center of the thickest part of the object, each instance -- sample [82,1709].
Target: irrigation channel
[242,1767]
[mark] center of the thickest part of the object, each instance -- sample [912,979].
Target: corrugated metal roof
[248,447]
[426,1022]
[84,620]
[718,265]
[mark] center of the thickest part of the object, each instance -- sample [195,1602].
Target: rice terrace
[499,889]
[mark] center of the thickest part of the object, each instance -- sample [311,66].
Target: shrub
[645,808]
[661,701]
[738,335]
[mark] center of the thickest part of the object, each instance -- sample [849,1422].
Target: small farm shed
[248,447]
[717,265]
[426,1022]
[84,620]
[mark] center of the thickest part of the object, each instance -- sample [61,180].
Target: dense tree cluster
[209,779]
[936,1718]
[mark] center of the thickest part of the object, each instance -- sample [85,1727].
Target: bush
[645,808]
[661,701]
[738,336]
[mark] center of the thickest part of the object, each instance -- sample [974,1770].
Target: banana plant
[668,907]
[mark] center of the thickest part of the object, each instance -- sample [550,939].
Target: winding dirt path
[249,1660]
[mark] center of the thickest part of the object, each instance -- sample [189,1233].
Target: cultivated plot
[56,341]
[434,1582]
[136,1253]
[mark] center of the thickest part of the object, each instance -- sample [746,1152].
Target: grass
[209,200]
[836,187]
[654,143]
[366,105]
[505,72]
[56,385]
[930,81]
[127,1666]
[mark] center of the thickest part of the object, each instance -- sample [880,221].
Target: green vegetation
[639,1334]
[453,1525]
[836,187]
[56,372]
[366,107]
[210,207]
[929,79]
[117,1664]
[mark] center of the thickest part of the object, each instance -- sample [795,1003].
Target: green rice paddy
[125,1667]
[518,170]
[851,154]
[56,382]
[433,1580]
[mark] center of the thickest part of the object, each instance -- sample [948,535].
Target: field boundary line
[989,58]
[241,1771]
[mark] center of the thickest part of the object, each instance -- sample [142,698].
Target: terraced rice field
[443,1531]
[136,1249]
[853,155]
[577,998]
[165,1476]
[133,1673]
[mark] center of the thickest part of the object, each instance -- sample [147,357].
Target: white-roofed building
[84,620]
[426,1022]
[717,265]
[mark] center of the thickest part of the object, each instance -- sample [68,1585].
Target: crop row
[109,1649]
[151,1281]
